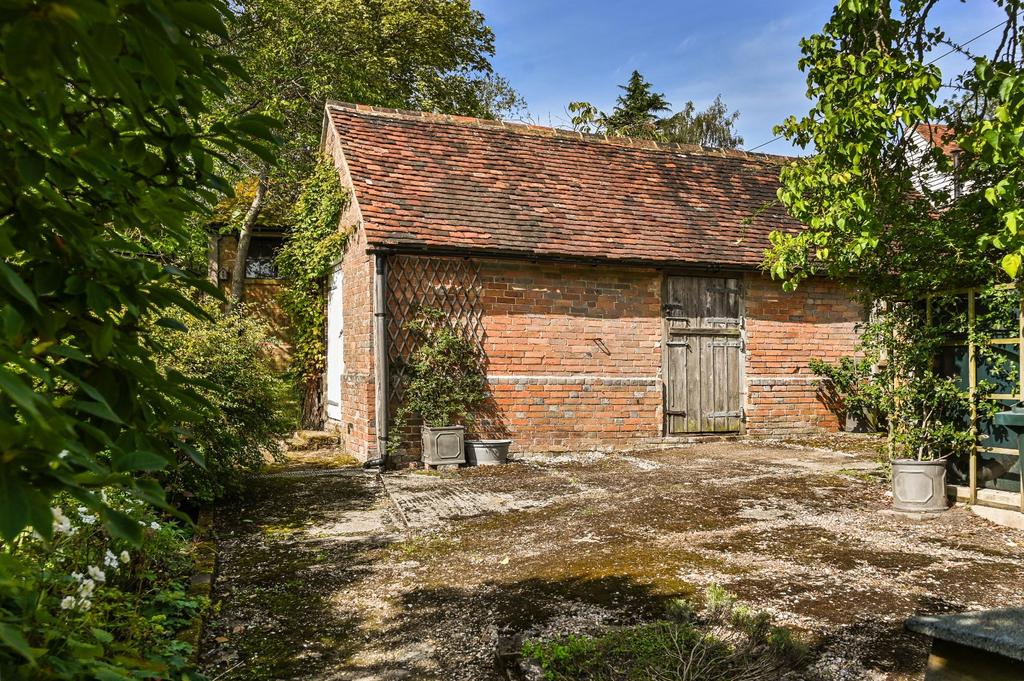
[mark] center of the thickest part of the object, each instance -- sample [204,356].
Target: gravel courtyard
[328,573]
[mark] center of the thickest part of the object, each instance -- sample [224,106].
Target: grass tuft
[723,640]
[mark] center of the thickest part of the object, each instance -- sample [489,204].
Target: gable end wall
[357,419]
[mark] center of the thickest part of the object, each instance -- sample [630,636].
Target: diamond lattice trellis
[451,285]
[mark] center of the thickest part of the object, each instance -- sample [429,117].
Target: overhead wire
[957,48]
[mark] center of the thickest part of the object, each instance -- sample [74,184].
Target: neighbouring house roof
[430,182]
[938,135]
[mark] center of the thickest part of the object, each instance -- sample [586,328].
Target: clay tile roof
[941,136]
[425,181]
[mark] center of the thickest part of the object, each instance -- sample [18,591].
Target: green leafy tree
[104,154]
[871,221]
[714,127]
[417,54]
[873,80]
[637,114]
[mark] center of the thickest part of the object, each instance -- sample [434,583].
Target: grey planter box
[919,486]
[487,452]
[443,446]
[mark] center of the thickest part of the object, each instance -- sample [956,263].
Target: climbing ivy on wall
[313,246]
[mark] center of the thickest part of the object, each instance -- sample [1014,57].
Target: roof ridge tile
[550,131]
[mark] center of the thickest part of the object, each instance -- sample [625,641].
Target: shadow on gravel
[879,646]
[272,617]
[884,645]
[467,624]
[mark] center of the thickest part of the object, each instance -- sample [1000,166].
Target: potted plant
[446,384]
[926,431]
[899,382]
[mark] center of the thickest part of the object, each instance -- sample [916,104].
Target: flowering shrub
[87,605]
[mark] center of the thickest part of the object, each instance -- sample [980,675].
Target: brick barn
[612,285]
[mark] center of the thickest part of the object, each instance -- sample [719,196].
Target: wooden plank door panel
[703,354]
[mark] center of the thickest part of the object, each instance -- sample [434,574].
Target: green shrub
[87,605]
[249,407]
[447,383]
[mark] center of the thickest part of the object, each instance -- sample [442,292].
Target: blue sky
[556,51]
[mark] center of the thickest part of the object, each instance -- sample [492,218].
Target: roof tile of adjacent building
[457,184]
[939,135]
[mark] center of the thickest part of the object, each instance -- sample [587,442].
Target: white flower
[124,557]
[86,518]
[63,454]
[77,576]
[61,523]
[84,604]
[154,525]
[67,603]
[109,559]
[86,588]
[96,573]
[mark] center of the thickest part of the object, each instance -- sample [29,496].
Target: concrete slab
[999,631]
[1000,516]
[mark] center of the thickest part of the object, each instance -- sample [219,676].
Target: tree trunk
[244,237]
[312,403]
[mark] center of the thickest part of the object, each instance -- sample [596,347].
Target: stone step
[305,440]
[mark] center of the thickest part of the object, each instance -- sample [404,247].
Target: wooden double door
[703,354]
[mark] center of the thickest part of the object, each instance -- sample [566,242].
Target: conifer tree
[636,109]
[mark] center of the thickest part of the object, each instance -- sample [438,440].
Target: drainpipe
[380,360]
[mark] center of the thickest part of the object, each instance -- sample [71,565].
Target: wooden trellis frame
[451,285]
[972,377]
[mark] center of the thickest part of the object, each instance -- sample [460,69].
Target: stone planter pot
[919,486]
[487,452]
[443,446]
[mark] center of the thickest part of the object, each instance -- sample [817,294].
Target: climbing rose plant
[314,244]
[446,380]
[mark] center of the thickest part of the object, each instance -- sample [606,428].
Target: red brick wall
[357,413]
[574,353]
[784,331]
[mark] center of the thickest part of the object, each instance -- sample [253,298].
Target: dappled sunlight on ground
[347,576]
